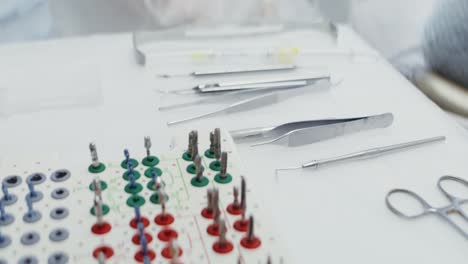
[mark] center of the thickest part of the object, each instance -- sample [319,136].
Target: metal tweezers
[307,132]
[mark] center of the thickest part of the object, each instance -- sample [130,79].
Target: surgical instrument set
[442,212]
[264,92]
[364,154]
[310,131]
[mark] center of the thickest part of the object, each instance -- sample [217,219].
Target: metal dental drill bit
[5,218]
[190,140]
[216,211]
[198,168]
[143,242]
[6,195]
[141,228]
[212,143]
[32,191]
[94,155]
[250,232]
[223,171]
[144,248]
[8,198]
[31,215]
[235,192]
[157,182]
[131,175]
[162,200]
[217,141]
[243,197]
[174,250]
[194,148]
[33,194]
[97,188]
[98,211]
[101,258]
[127,156]
[137,214]
[148,147]
[209,196]
[222,232]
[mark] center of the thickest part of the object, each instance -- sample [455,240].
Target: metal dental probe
[365,154]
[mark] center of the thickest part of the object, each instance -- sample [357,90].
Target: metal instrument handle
[453,224]
[442,212]
[252,82]
[456,201]
[425,206]
[371,153]
[244,70]
[259,86]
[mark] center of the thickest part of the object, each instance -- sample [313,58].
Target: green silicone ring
[154,198]
[224,180]
[97,169]
[135,201]
[133,190]
[192,170]
[187,156]
[105,210]
[150,161]
[103,186]
[209,154]
[150,170]
[215,165]
[124,165]
[135,173]
[204,182]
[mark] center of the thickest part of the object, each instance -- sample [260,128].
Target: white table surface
[333,215]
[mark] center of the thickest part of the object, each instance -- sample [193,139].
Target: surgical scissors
[443,212]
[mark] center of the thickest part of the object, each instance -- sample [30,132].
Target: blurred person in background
[22,20]
[393,27]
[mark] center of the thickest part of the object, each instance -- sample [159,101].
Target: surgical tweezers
[310,131]
[363,154]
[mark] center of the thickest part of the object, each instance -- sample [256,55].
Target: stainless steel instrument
[310,131]
[443,212]
[228,71]
[364,154]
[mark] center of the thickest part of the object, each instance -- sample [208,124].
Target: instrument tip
[277,171]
